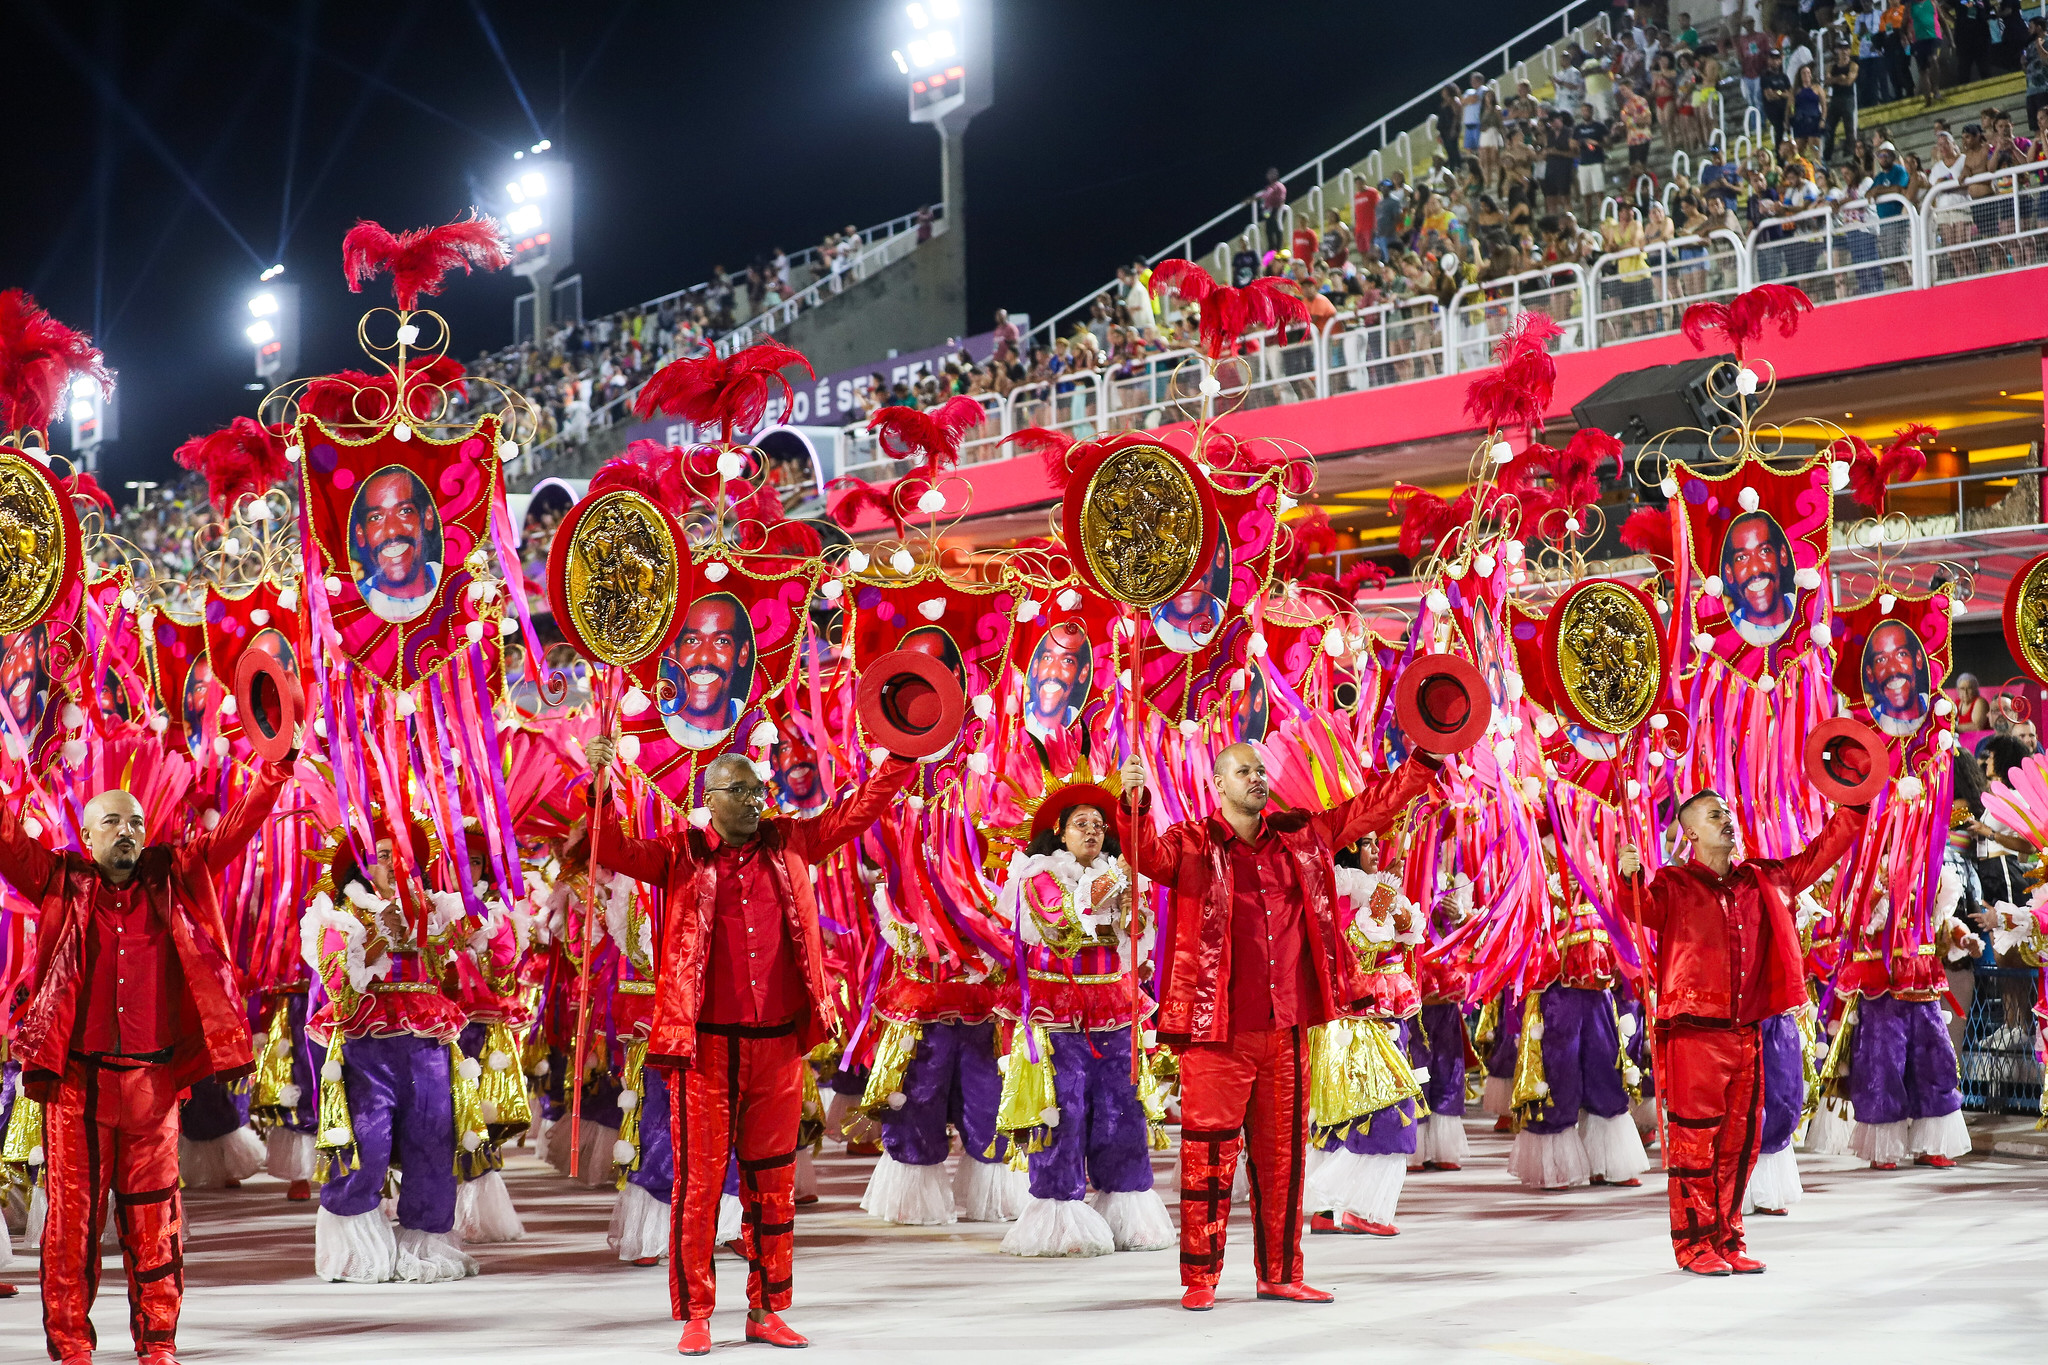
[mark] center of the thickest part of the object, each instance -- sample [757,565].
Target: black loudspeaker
[1642,403]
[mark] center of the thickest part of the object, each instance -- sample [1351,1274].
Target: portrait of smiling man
[1756,578]
[394,533]
[1895,678]
[1056,682]
[708,673]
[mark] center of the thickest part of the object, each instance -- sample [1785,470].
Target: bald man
[130,1000]
[1255,960]
[742,997]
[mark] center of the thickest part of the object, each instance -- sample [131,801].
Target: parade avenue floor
[1916,1265]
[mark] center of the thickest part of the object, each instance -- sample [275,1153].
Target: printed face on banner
[1056,679]
[25,678]
[708,673]
[1756,578]
[1254,711]
[1486,653]
[1188,620]
[1896,686]
[395,523]
[937,642]
[394,536]
[798,784]
[198,695]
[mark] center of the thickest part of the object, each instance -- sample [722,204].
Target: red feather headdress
[1648,532]
[854,498]
[1052,447]
[80,484]
[1741,320]
[38,356]
[1366,573]
[1228,313]
[1573,480]
[418,259]
[1517,394]
[352,398]
[730,393]
[934,434]
[243,457]
[1871,473]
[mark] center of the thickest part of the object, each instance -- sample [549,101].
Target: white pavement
[1917,1265]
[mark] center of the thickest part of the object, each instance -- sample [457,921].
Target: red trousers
[1256,1085]
[119,1130]
[745,1091]
[1713,1086]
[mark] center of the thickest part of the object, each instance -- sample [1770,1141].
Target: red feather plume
[1311,537]
[1871,473]
[1366,573]
[728,392]
[80,484]
[1228,313]
[1648,532]
[1741,320]
[242,458]
[1052,447]
[353,399]
[38,357]
[1425,516]
[854,498]
[420,258]
[654,471]
[1517,393]
[934,434]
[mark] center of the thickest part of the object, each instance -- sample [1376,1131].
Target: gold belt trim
[1062,977]
[1586,936]
[403,988]
[1871,955]
[636,988]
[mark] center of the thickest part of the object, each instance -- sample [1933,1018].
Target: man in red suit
[1727,958]
[742,997]
[130,1000]
[1254,961]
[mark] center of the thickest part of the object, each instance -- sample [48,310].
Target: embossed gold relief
[1609,656]
[621,577]
[2030,619]
[31,544]
[1141,525]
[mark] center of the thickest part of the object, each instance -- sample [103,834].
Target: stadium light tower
[946,55]
[273,325]
[93,418]
[538,213]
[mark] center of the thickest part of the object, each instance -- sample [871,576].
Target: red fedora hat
[1442,703]
[1846,761]
[910,703]
[269,702]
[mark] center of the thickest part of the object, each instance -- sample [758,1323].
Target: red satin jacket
[683,867]
[1192,859]
[208,1024]
[1728,947]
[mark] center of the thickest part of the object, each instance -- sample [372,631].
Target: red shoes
[1934,1159]
[647,1260]
[1322,1222]
[1744,1265]
[1884,1165]
[1504,1124]
[1705,1261]
[1441,1166]
[159,1355]
[1198,1298]
[863,1149]
[7,1291]
[1628,1184]
[1353,1223]
[299,1191]
[773,1331]
[696,1338]
[1769,1213]
[1296,1292]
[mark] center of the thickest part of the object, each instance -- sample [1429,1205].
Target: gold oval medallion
[1141,525]
[2026,618]
[31,544]
[1610,657]
[621,576]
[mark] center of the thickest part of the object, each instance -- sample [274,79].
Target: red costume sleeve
[817,839]
[1157,856]
[222,844]
[644,860]
[26,864]
[1373,809]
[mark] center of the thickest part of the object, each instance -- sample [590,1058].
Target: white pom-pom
[74,751]
[1210,386]
[1821,635]
[914,802]
[903,561]
[332,585]
[1502,452]
[1050,1116]
[1745,381]
[292,453]
[763,769]
[1535,1030]
[408,334]
[1256,645]
[231,547]
[1911,788]
[468,1069]
[978,763]
[984,705]
[1886,601]
[1668,486]
[1283,504]
[1766,683]
[764,735]
[1838,475]
[628,1101]
[508,450]
[1632,1074]
[1484,564]
[1703,642]
[716,571]
[334,1137]
[74,718]
[830,589]
[330,1070]
[259,617]
[1807,578]
[1515,686]
[1546,724]
[228,705]
[209,818]
[1627,1026]
[1867,535]
[1456,573]
[1068,599]
[507,626]
[1660,722]
[475,631]
[159,723]
[1026,609]
[1237,681]
[402,432]
[623,1153]
[932,608]
[489,1110]
[406,704]
[129,599]
[1945,740]
[857,560]
[499,1059]
[897,1099]
[634,702]
[1943,706]
[1504,752]
[541,1067]
[1635,789]
[1436,601]
[878,754]
[1189,729]
[288,599]
[1712,585]
[629,748]
[1656,758]
[931,501]
[32,827]
[1512,551]
[1571,524]
[1334,641]
[289,1094]
[701,816]
[1747,499]
[730,464]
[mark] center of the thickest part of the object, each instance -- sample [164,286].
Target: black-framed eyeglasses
[757,795]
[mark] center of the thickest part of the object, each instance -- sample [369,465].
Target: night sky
[153,144]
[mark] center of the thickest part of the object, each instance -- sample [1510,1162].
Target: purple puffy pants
[1581,1058]
[1437,1040]
[952,1080]
[1784,1081]
[400,1105]
[1102,1135]
[1901,1062]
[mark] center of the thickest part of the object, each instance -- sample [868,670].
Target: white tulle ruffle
[1368,1185]
[1137,1219]
[358,1248]
[1614,1149]
[989,1191]
[1498,1098]
[1058,1227]
[732,1219]
[1948,1136]
[484,1213]
[1830,1131]
[288,1154]
[806,1175]
[640,1226]
[1883,1143]
[1774,1183]
[210,1163]
[1550,1161]
[916,1196]
[594,1161]
[1442,1140]
[432,1258]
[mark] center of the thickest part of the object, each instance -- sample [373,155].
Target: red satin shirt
[753,977]
[1269,962]
[128,974]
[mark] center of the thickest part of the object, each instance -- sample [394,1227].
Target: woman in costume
[1069,1100]
[1437,1043]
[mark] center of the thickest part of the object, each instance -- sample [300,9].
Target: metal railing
[1999,230]
[1481,313]
[872,259]
[1841,251]
[1645,292]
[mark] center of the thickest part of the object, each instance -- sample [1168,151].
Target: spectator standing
[1889,178]
[1006,332]
[1873,81]
[1807,111]
[1450,118]
[1570,83]
[1560,158]
[1138,300]
[1924,22]
[1843,73]
[1776,89]
[1267,203]
[1752,56]
[1386,225]
[1972,37]
[1589,138]
[2034,60]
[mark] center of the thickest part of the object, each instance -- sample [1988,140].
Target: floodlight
[260,333]
[263,305]
[524,219]
[918,18]
[534,183]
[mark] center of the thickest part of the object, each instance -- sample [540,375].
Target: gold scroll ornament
[1609,656]
[31,544]
[1141,525]
[622,576]
[2030,618]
